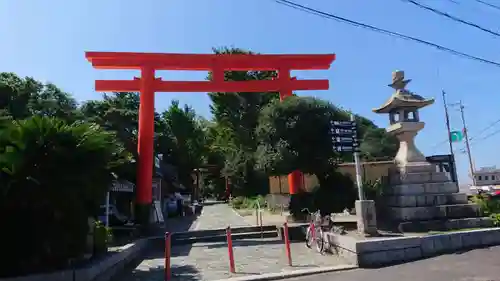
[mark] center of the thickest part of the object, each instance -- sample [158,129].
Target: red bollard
[287,244]
[230,249]
[168,273]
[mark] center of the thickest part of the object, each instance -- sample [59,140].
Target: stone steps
[425,200]
[445,225]
[439,212]
[219,235]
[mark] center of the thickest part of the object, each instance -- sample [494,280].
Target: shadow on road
[179,272]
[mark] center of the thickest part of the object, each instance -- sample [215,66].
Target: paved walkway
[475,265]
[209,261]
[216,216]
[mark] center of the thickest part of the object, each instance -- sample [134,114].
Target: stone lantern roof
[402,97]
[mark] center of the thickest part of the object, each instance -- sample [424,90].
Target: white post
[107,209]
[359,181]
[365,209]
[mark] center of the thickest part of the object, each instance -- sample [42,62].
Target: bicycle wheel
[309,237]
[319,240]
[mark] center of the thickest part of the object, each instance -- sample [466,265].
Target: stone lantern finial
[398,80]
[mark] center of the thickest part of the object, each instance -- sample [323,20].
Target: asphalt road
[475,265]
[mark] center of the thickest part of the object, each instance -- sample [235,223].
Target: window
[493,177]
[479,178]
[486,178]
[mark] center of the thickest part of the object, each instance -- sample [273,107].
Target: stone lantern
[405,123]
[419,198]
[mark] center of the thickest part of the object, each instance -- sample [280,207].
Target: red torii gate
[148,84]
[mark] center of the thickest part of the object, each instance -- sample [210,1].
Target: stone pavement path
[209,261]
[475,265]
[218,215]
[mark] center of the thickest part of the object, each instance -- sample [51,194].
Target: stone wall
[103,271]
[386,251]
[370,171]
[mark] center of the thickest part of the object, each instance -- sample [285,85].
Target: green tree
[116,112]
[296,135]
[236,116]
[21,98]
[53,177]
[182,140]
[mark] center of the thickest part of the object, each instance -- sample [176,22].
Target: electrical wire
[476,136]
[496,132]
[384,31]
[454,18]
[485,129]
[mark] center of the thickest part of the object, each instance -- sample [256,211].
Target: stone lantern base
[419,201]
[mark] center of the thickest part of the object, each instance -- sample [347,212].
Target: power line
[486,129]
[477,135]
[422,6]
[488,4]
[488,136]
[383,31]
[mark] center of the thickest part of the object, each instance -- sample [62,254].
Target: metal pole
[447,116]
[359,181]
[107,209]
[467,145]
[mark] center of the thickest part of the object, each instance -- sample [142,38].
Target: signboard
[156,213]
[156,186]
[122,186]
[345,136]
[456,136]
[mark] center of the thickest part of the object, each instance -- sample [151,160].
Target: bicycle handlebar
[307,210]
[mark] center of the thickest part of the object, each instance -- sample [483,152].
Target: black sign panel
[344,136]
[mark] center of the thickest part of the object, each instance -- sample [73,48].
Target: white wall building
[487,176]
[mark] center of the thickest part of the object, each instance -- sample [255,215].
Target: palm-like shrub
[53,176]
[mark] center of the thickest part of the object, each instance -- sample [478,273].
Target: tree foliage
[22,98]
[236,117]
[296,134]
[53,176]
[182,140]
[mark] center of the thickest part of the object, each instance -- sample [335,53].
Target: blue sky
[47,40]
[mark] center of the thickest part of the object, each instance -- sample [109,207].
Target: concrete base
[366,217]
[425,200]
[419,178]
[386,251]
[445,225]
[456,211]
[447,187]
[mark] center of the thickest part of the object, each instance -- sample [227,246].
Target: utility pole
[467,145]
[450,142]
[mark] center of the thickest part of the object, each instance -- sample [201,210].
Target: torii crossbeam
[148,84]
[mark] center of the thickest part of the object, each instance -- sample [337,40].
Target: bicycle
[315,232]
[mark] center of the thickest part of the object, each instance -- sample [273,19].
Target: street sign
[344,136]
[343,148]
[340,124]
[456,136]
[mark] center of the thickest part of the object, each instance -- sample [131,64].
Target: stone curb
[291,274]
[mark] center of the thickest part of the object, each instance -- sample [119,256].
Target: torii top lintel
[159,61]
[218,64]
